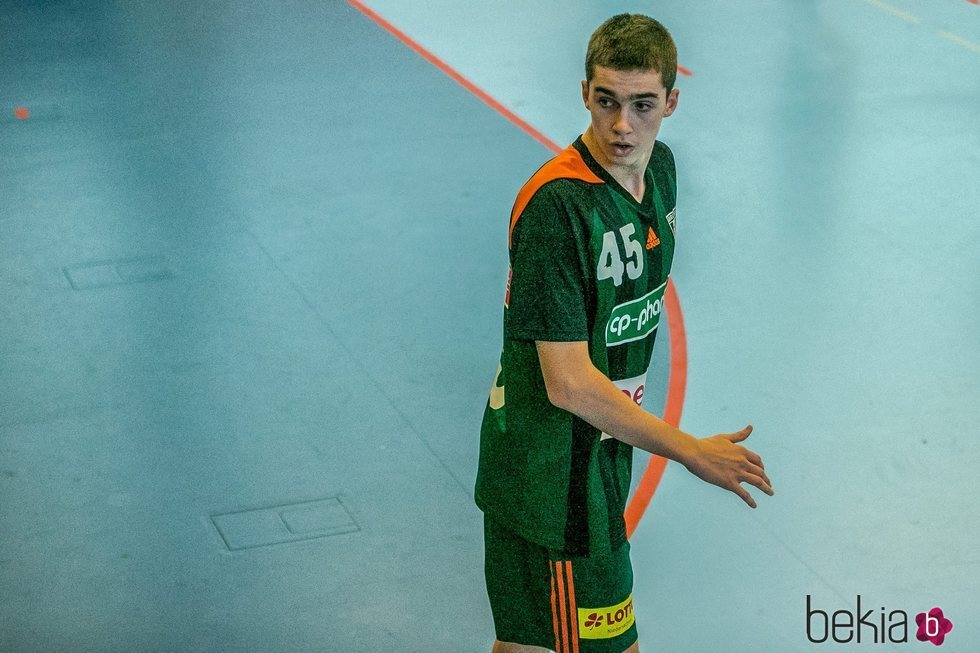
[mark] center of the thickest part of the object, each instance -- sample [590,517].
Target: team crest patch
[671,219]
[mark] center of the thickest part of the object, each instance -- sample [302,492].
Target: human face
[627,107]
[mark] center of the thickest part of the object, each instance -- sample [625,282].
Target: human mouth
[622,149]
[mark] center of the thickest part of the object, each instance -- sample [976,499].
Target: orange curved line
[676,385]
[675,320]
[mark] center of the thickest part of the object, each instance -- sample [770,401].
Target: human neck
[630,177]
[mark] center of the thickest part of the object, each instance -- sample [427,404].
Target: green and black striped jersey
[587,263]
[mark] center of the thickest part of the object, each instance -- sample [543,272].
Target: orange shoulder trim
[568,164]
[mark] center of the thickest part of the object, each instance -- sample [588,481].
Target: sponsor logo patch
[635,319]
[671,219]
[632,388]
[603,623]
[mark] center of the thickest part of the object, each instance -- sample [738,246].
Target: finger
[759,483]
[741,435]
[746,497]
[758,471]
[754,458]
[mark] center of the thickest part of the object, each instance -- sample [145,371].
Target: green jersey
[587,263]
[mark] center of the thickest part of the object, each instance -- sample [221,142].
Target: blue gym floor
[252,267]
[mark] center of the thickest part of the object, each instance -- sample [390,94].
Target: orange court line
[676,385]
[441,65]
[677,338]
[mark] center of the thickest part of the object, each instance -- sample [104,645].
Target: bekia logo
[933,626]
[844,627]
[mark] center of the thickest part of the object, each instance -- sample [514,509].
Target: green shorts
[569,604]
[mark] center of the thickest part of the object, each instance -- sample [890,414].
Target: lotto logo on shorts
[635,319]
[603,623]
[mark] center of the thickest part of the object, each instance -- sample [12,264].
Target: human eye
[605,102]
[643,107]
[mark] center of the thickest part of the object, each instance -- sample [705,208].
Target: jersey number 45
[611,265]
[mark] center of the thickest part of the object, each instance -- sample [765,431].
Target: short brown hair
[632,42]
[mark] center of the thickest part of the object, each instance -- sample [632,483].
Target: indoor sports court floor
[252,265]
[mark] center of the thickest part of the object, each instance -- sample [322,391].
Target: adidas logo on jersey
[652,240]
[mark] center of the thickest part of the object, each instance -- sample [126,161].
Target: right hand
[719,460]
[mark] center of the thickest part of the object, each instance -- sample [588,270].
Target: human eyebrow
[635,96]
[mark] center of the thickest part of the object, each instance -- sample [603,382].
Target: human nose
[621,125]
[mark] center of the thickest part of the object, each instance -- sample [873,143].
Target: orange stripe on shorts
[562,608]
[554,608]
[573,608]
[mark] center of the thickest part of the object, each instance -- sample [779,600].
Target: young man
[591,242]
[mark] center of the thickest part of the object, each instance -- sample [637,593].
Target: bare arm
[576,385]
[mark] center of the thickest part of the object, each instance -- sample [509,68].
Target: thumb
[741,435]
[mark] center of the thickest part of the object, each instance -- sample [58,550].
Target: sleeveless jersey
[587,263]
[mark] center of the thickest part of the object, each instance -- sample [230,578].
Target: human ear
[671,103]
[585,93]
